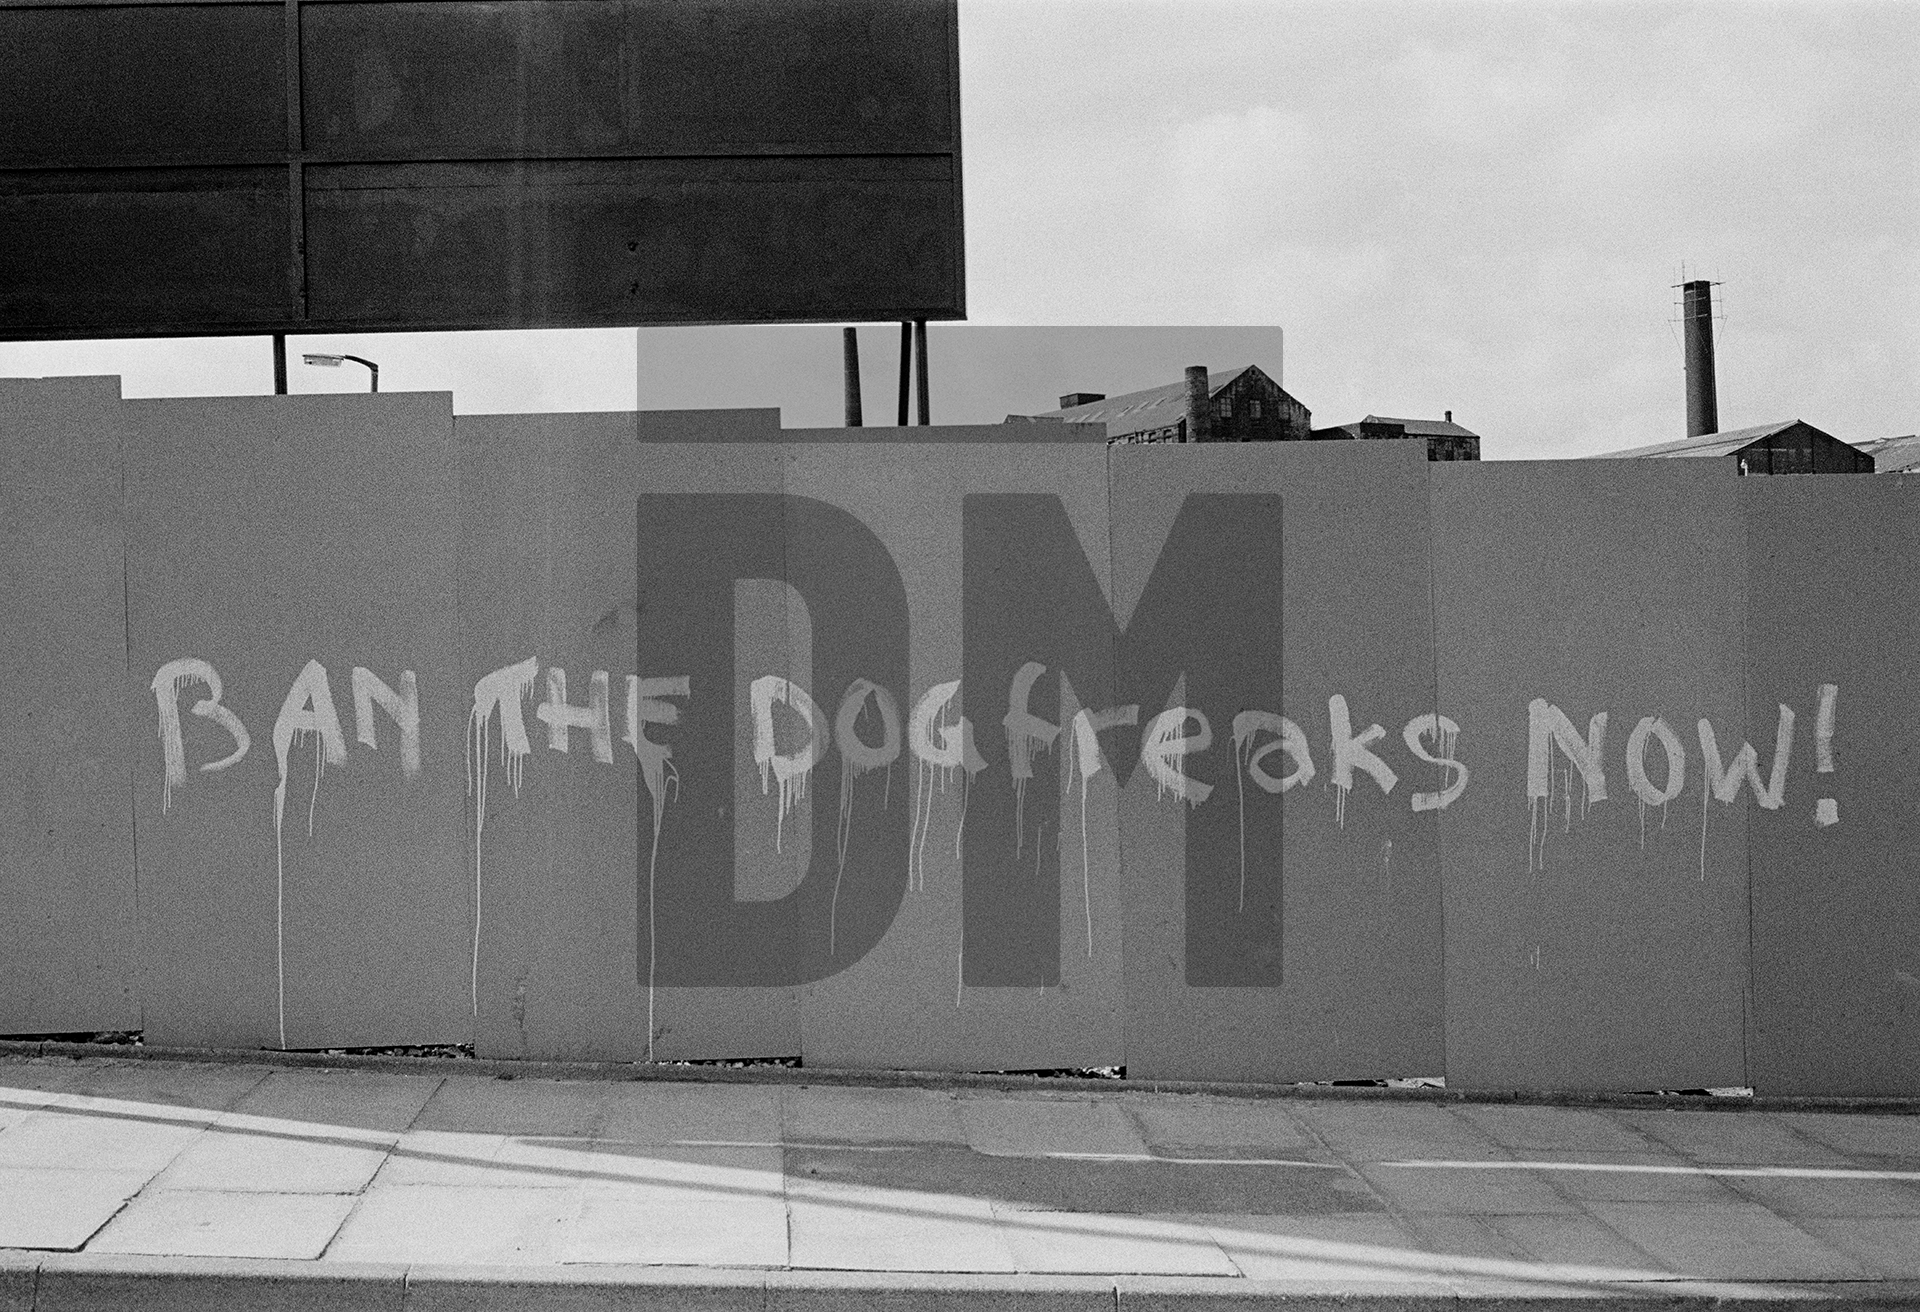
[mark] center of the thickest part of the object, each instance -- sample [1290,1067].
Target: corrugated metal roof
[1894,455]
[1707,444]
[1140,412]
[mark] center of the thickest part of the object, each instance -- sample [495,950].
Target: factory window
[1224,407]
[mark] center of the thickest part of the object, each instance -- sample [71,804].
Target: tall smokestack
[1703,407]
[850,351]
[1199,404]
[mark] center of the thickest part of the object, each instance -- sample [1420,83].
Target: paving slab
[55,1208]
[1468,1188]
[188,1086]
[752,1171]
[120,1136]
[1385,1131]
[339,1100]
[851,1227]
[264,1157]
[1734,1138]
[196,1223]
[455,1158]
[1883,1139]
[675,1228]
[1453,1240]
[1887,1246]
[475,1104]
[681,1205]
[660,1112]
[1076,1242]
[458,1224]
[829,1115]
[1650,1177]
[1187,1126]
[1530,1130]
[1578,1247]
[1794,1195]
[1366,1247]
[1042,1127]
[1727,1241]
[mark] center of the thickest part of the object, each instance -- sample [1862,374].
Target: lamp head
[330,361]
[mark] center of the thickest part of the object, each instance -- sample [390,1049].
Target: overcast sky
[1447,206]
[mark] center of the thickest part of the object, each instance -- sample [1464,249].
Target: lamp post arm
[372,368]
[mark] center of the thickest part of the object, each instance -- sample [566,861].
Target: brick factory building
[1792,446]
[1445,439]
[1247,406]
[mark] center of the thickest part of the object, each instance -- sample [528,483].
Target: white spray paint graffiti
[938,750]
[1351,752]
[790,769]
[1027,736]
[168,683]
[1548,725]
[561,718]
[1826,811]
[1447,733]
[403,706]
[308,708]
[1724,780]
[856,758]
[1086,736]
[1247,758]
[645,705]
[1645,794]
[502,691]
[1166,744]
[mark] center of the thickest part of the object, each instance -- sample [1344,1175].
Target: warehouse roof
[1894,455]
[1139,412]
[1707,444]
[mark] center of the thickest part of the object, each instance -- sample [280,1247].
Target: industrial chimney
[1703,407]
[1199,405]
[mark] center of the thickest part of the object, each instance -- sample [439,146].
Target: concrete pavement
[143,1183]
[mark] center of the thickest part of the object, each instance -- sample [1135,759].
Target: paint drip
[1242,758]
[280,865]
[505,690]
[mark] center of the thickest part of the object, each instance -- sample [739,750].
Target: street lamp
[334,361]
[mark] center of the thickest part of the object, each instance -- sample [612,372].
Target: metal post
[920,368]
[850,351]
[1199,404]
[906,369]
[279,364]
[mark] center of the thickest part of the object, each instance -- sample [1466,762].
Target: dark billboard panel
[365,165]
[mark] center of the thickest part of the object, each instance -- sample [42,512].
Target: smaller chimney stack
[1449,416]
[1703,405]
[850,351]
[1199,404]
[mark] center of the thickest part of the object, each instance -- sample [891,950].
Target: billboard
[317,166]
